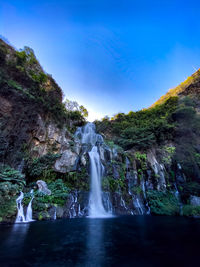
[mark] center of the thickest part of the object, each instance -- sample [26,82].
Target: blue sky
[110,56]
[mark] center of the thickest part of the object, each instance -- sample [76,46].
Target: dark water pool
[121,241]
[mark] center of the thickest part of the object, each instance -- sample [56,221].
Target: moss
[169,152]
[142,159]
[137,190]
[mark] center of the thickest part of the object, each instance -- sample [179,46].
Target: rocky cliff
[151,158]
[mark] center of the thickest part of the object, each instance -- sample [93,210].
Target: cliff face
[32,116]
[151,158]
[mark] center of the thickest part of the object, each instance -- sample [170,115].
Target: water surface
[119,241]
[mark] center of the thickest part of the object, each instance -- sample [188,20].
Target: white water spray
[87,135]
[29,209]
[55,214]
[96,208]
[20,210]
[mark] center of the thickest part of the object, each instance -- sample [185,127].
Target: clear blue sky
[110,56]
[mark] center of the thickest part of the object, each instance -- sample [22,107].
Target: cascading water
[87,135]
[96,208]
[20,211]
[29,209]
[177,195]
[55,214]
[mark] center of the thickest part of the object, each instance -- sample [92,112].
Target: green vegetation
[41,168]
[113,185]
[11,175]
[59,193]
[21,71]
[11,183]
[169,153]
[186,137]
[144,128]
[178,89]
[8,194]
[190,188]
[137,190]
[141,157]
[78,180]
[74,106]
[112,145]
[162,203]
[189,210]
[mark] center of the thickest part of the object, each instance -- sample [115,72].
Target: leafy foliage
[41,167]
[59,194]
[74,106]
[8,193]
[21,71]
[189,210]
[78,180]
[178,89]
[162,203]
[144,128]
[11,175]
[169,153]
[190,188]
[113,185]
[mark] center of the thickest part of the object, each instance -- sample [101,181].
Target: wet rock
[59,212]
[115,172]
[180,177]
[158,169]
[83,160]
[195,201]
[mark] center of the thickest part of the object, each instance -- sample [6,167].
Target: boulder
[195,201]
[66,162]
[42,187]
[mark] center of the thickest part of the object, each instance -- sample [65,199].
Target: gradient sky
[110,56]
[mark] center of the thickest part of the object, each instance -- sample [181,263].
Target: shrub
[59,193]
[189,210]
[11,175]
[41,167]
[8,193]
[162,203]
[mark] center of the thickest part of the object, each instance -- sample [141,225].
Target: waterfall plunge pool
[118,241]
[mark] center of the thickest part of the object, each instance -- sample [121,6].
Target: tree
[74,106]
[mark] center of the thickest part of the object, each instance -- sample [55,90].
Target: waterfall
[20,210]
[177,195]
[96,208]
[55,214]
[29,209]
[87,135]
